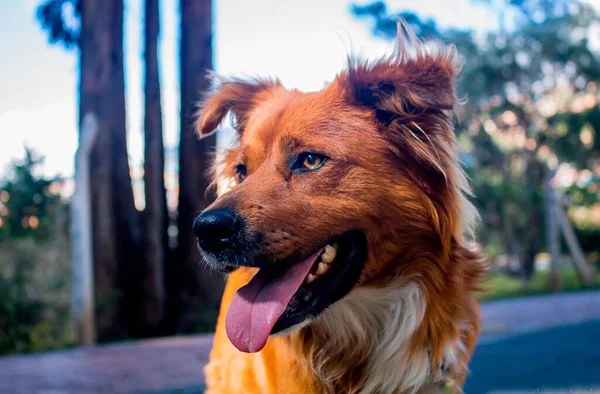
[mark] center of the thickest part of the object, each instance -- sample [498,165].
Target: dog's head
[326,190]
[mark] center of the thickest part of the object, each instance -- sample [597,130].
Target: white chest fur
[380,321]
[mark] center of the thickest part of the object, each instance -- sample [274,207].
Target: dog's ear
[410,94]
[416,78]
[230,95]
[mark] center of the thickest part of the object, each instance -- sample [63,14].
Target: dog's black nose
[216,229]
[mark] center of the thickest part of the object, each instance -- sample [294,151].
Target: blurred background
[111,233]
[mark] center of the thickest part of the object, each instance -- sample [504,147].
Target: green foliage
[35,271]
[29,204]
[500,285]
[532,89]
[34,295]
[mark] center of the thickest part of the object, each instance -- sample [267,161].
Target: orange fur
[394,173]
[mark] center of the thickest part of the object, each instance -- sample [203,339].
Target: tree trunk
[114,217]
[553,233]
[155,213]
[202,289]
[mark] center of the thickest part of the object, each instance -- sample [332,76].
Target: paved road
[506,318]
[150,365]
[540,343]
[558,359]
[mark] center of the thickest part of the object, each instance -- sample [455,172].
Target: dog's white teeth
[329,254]
[327,257]
[322,268]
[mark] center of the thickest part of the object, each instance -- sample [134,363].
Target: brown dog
[343,228]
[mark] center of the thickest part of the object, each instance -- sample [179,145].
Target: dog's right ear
[230,95]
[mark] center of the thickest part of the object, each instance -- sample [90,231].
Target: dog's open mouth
[277,299]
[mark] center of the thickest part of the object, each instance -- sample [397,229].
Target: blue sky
[303,42]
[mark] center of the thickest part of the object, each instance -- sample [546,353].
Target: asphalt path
[538,344]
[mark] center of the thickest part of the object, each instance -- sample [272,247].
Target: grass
[500,285]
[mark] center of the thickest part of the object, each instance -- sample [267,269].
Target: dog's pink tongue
[255,308]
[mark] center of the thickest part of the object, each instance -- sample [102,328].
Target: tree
[131,266]
[194,162]
[98,34]
[155,213]
[28,205]
[531,89]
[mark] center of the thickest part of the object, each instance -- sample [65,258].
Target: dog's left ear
[416,78]
[230,95]
[410,94]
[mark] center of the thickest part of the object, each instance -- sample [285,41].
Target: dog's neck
[397,338]
[364,342]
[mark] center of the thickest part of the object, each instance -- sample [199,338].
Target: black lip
[310,300]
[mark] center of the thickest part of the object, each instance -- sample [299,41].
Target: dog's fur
[411,322]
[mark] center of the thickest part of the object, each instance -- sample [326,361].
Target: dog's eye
[240,173]
[309,161]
